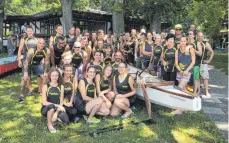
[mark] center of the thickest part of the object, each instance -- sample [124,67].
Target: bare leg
[39,82]
[115,110]
[206,87]
[29,86]
[22,87]
[159,74]
[49,117]
[103,110]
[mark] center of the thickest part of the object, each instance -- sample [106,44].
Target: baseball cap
[178,26]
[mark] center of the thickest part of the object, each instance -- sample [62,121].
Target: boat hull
[8,64]
[170,100]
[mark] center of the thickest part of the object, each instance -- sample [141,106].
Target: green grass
[220,61]
[22,123]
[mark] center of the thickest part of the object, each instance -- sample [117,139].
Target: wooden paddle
[146,97]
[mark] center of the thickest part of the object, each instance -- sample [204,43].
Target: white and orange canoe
[165,93]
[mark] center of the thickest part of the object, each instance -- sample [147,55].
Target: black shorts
[132,99]
[45,109]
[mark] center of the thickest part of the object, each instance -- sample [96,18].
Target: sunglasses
[190,33]
[178,29]
[76,47]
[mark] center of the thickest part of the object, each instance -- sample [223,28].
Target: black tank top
[90,88]
[38,56]
[123,87]
[148,48]
[157,54]
[198,58]
[204,51]
[68,86]
[70,41]
[107,60]
[115,68]
[104,83]
[58,52]
[184,60]
[53,94]
[29,43]
[77,59]
[98,68]
[169,56]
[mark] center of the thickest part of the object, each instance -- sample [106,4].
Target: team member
[196,69]
[37,60]
[86,47]
[52,100]
[184,61]
[206,47]
[168,59]
[97,63]
[86,98]
[71,38]
[26,43]
[59,34]
[118,60]
[178,34]
[70,84]
[107,54]
[163,35]
[123,85]
[78,33]
[100,48]
[155,62]
[79,59]
[103,88]
[57,50]
[146,51]
[104,82]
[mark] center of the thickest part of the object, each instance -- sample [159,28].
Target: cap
[143,31]
[178,26]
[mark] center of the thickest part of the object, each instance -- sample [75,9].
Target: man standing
[10,45]
[26,43]
[206,47]
[196,68]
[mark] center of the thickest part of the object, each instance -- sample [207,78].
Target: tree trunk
[2,3]
[66,19]
[155,25]
[118,17]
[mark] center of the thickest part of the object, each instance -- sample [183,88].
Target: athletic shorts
[156,68]
[180,76]
[204,71]
[196,72]
[36,70]
[132,99]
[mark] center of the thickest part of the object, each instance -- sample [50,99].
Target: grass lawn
[22,123]
[220,61]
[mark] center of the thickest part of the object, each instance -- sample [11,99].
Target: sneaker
[177,112]
[93,120]
[30,94]
[85,117]
[127,114]
[21,99]
[52,130]
[76,119]
[206,96]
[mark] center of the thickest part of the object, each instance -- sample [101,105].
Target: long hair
[54,69]
[110,77]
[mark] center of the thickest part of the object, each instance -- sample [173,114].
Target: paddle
[146,97]
[119,127]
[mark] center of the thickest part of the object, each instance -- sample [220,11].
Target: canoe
[165,93]
[8,64]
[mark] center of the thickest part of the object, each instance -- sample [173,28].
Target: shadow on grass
[23,123]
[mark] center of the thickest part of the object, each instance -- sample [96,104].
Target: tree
[208,15]
[118,17]
[66,19]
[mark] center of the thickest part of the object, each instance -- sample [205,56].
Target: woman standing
[168,59]
[155,62]
[184,61]
[52,99]
[124,90]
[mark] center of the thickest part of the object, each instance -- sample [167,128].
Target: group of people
[87,73]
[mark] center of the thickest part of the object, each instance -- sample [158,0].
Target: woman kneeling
[52,100]
[124,90]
